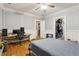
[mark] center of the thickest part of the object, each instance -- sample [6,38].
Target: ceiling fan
[43,6]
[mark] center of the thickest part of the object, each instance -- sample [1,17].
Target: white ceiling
[30,7]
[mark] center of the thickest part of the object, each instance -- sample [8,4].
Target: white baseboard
[73,35]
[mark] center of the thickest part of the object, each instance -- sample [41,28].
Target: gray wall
[72,22]
[15,21]
[11,21]
[0,19]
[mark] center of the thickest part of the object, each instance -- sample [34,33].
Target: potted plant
[1,44]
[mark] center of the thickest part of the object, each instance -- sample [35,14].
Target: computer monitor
[15,31]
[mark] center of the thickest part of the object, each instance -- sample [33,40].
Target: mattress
[54,47]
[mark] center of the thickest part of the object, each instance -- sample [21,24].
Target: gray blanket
[55,47]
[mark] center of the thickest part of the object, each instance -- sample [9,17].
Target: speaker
[4,32]
[22,29]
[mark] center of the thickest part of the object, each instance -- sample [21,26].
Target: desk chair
[20,37]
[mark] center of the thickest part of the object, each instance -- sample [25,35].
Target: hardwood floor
[17,49]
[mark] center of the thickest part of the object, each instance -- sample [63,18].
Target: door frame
[36,27]
[42,28]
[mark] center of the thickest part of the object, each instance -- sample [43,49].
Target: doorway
[38,29]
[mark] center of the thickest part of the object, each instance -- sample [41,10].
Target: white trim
[17,11]
[61,11]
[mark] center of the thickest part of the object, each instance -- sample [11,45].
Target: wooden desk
[27,36]
[15,35]
[11,36]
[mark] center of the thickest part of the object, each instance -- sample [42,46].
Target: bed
[54,47]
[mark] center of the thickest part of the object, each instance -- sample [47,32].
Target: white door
[42,28]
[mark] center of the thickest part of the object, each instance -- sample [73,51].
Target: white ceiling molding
[17,11]
[29,8]
[64,10]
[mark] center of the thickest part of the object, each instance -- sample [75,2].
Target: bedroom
[38,21]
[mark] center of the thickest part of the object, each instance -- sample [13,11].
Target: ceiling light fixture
[43,6]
